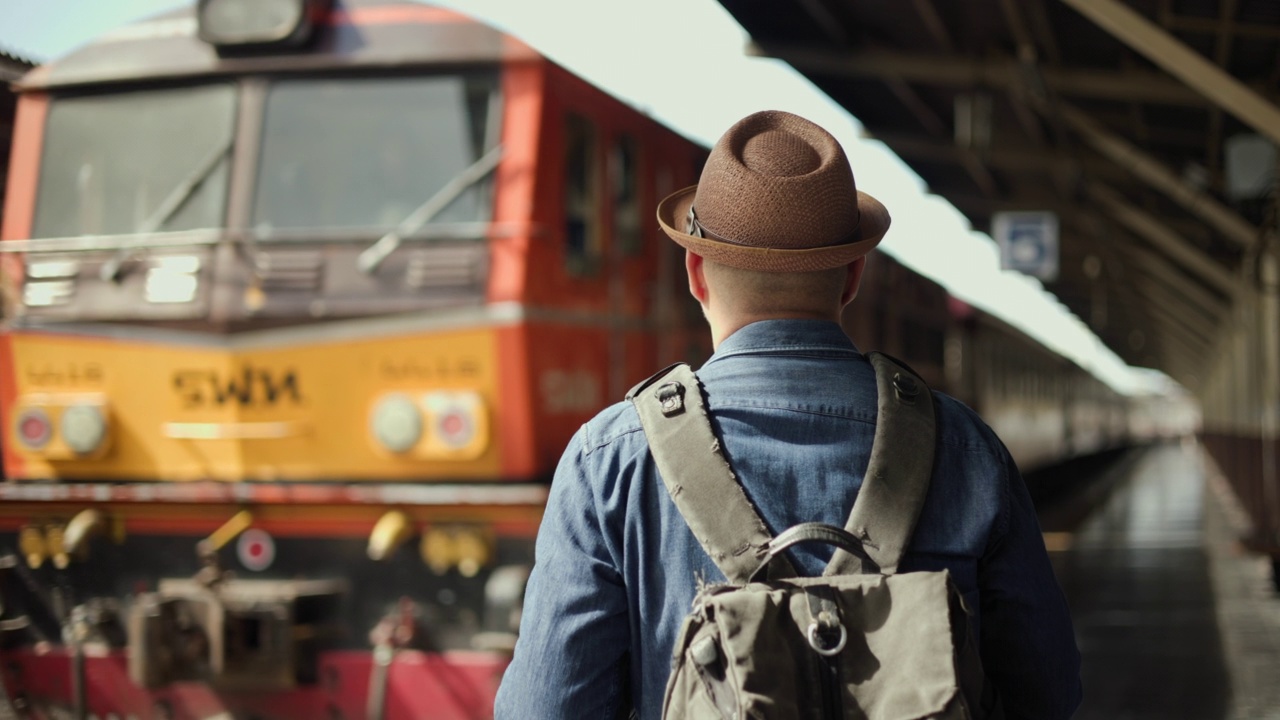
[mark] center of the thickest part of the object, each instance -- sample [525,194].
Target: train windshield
[135,162]
[368,153]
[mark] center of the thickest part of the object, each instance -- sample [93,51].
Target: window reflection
[626,195]
[582,241]
[366,152]
[141,161]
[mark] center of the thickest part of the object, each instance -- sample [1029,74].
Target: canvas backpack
[863,640]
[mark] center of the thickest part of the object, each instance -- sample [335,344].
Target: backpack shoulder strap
[897,480]
[697,475]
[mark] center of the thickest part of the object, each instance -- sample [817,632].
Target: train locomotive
[309,298]
[305,298]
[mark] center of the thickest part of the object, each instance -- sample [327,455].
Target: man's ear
[697,277]
[853,280]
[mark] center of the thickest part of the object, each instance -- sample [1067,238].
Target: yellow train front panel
[417,405]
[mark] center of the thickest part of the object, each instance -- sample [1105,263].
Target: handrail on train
[435,232]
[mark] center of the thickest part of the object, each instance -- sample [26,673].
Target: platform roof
[1118,115]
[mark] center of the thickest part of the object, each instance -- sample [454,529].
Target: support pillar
[1268,334]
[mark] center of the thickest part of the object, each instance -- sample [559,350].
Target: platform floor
[1172,618]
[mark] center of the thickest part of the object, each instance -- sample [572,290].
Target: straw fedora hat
[777,194]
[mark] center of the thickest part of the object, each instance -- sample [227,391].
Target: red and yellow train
[307,300]
[304,299]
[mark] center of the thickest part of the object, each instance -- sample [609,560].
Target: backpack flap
[747,652]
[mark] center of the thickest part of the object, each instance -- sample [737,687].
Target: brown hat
[776,194]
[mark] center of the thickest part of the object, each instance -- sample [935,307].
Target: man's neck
[723,327]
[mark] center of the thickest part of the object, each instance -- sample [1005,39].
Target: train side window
[582,237]
[624,165]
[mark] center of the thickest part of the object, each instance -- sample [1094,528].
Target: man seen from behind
[775,237]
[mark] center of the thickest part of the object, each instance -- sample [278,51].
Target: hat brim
[873,224]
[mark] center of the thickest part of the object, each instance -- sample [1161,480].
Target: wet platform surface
[1173,621]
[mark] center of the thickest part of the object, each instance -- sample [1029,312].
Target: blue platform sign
[1028,242]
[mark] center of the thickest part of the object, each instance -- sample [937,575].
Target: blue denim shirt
[794,402]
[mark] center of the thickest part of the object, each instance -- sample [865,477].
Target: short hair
[761,292]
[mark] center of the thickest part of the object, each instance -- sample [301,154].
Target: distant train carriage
[309,305]
[904,314]
[1043,406]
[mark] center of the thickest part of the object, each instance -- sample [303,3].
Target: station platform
[1173,618]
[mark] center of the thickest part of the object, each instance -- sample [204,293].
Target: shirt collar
[785,335]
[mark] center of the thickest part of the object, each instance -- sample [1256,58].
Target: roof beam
[1222,56]
[1185,313]
[1017,26]
[933,23]
[1069,212]
[1182,62]
[1206,26]
[907,95]
[827,22]
[1181,362]
[1167,241]
[1020,97]
[935,125]
[1175,349]
[985,181]
[1178,345]
[1026,158]
[970,203]
[1155,267]
[1194,348]
[961,71]
[1172,325]
[930,120]
[1171,137]
[1043,30]
[1152,172]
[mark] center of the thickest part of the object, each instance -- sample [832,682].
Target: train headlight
[468,549]
[84,428]
[454,424]
[396,423]
[474,550]
[458,424]
[34,428]
[248,23]
[433,425]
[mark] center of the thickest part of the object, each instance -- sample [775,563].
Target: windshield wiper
[373,255]
[113,269]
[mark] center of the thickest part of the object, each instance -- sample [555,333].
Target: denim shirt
[794,403]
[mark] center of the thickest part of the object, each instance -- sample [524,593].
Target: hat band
[698,230]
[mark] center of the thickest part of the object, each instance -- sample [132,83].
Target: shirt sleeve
[574,629]
[1028,644]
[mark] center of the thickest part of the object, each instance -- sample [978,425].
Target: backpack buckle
[671,396]
[820,645]
[906,387]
